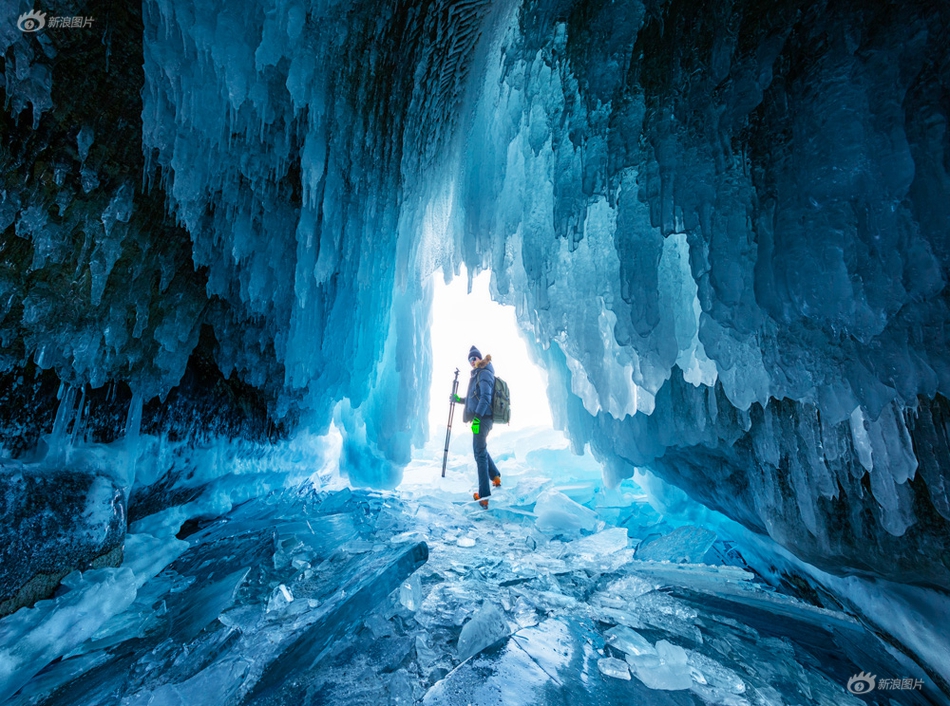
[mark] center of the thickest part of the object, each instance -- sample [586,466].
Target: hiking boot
[483,503]
[496,481]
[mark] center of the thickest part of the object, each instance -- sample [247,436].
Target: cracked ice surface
[330,595]
[587,622]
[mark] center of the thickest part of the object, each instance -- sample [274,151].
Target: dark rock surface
[53,522]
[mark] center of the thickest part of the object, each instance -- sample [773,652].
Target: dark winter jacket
[481,387]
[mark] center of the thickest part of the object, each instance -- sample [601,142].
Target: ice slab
[684,545]
[366,585]
[558,514]
[555,662]
[604,551]
[55,676]
[31,638]
[410,593]
[712,674]
[570,606]
[609,541]
[720,585]
[223,679]
[694,575]
[485,628]
[629,641]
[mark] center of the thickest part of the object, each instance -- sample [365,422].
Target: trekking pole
[448,431]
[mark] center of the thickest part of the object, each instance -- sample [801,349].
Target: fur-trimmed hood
[481,386]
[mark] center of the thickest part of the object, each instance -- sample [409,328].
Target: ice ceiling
[724,226]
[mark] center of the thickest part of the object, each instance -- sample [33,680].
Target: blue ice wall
[724,227]
[728,230]
[299,145]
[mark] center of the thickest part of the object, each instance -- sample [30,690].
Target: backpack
[500,402]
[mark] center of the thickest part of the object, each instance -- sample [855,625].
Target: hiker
[478,411]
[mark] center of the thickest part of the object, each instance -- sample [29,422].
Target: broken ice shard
[684,545]
[379,575]
[613,667]
[558,514]
[485,628]
[665,669]
[555,662]
[629,641]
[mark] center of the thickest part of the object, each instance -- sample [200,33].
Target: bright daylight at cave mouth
[461,319]
[697,252]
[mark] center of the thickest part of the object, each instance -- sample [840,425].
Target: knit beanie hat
[473,352]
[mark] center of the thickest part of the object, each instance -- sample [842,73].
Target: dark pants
[486,467]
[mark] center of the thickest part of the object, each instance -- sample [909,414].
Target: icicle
[64,415]
[77,423]
[859,435]
[133,426]
[84,141]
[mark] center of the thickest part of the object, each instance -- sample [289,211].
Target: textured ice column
[679,291]
[380,434]
[27,79]
[304,174]
[749,236]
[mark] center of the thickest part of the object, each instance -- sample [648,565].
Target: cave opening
[462,318]
[725,229]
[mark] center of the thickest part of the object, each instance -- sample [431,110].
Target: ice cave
[241,243]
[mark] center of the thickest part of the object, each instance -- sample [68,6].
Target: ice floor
[562,592]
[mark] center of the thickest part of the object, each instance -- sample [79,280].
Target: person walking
[478,411]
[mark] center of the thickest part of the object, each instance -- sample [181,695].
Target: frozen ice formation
[308,247]
[730,261]
[558,514]
[731,255]
[684,545]
[250,598]
[724,231]
[34,637]
[485,627]
[314,590]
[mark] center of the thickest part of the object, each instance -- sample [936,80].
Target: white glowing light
[461,320]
